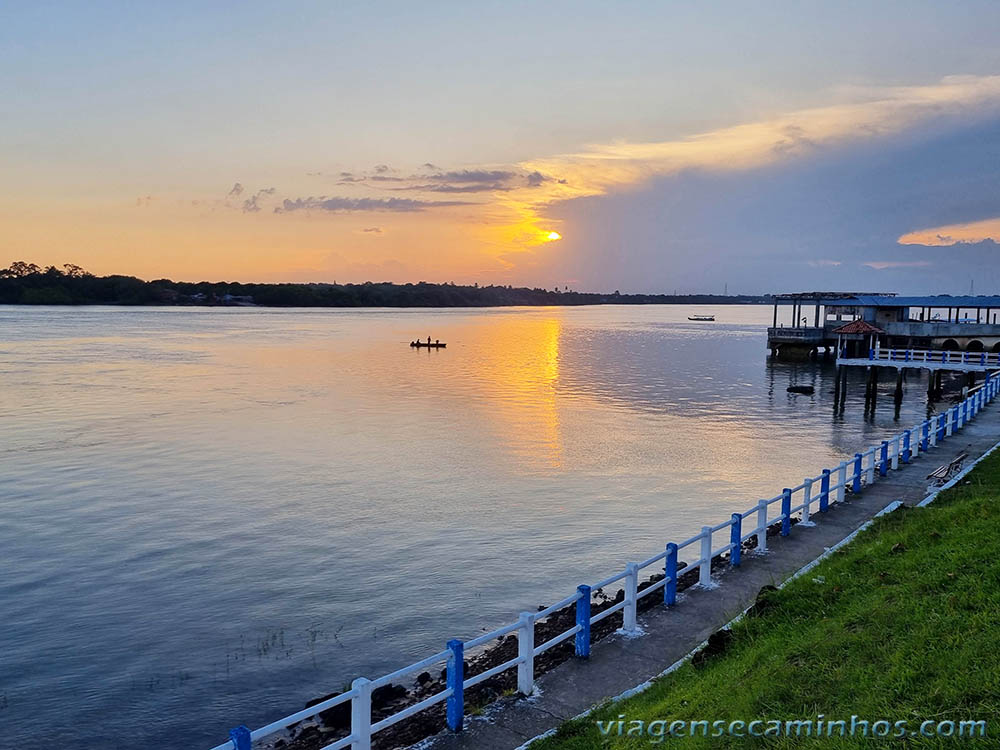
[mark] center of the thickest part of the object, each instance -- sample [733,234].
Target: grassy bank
[902,624]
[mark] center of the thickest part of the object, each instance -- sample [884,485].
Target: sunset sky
[657,146]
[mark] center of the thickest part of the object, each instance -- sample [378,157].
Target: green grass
[901,624]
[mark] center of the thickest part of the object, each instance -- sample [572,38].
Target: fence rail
[935,356]
[803,500]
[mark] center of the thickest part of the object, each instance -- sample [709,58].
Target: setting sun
[553,236]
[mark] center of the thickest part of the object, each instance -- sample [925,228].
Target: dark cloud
[236,191]
[428,165]
[473,175]
[808,222]
[387,178]
[382,168]
[472,188]
[344,205]
[251,205]
[372,230]
[536,178]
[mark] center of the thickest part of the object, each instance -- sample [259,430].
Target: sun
[552,236]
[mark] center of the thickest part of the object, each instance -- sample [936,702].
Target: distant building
[935,322]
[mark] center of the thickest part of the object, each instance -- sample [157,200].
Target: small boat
[806,389]
[701,317]
[428,344]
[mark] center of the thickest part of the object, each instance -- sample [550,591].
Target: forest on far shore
[28,284]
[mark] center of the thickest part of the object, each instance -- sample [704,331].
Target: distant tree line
[28,284]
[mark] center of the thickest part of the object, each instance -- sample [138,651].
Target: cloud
[252,205]
[382,168]
[236,191]
[372,230]
[473,175]
[954,234]
[472,188]
[882,265]
[783,225]
[536,178]
[345,205]
[876,112]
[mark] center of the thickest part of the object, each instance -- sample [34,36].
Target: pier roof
[940,300]
[858,326]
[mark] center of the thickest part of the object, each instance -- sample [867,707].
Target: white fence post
[842,481]
[762,526]
[361,714]
[894,456]
[705,574]
[870,476]
[948,419]
[806,499]
[631,598]
[526,653]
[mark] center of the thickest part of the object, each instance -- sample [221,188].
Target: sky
[646,147]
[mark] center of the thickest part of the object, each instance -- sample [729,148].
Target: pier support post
[361,714]
[526,653]
[670,571]
[583,621]
[762,526]
[898,394]
[630,613]
[455,707]
[736,539]
[240,737]
[705,572]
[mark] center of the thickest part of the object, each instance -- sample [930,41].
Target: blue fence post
[786,511]
[871,354]
[906,447]
[456,680]
[857,473]
[736,539]
[670,571]
[583,620]
[982,359]
[824,491]
[940,427]
[240,737]
[925,441]
[883,465]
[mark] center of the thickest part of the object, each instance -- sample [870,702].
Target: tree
[19,269]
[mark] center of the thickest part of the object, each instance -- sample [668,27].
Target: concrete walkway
[618,664]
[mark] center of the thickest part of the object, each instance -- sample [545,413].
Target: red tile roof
[858,326]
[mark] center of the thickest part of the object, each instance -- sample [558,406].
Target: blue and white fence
[934,357]
[813,495]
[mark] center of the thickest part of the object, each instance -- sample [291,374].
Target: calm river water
[210,516]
